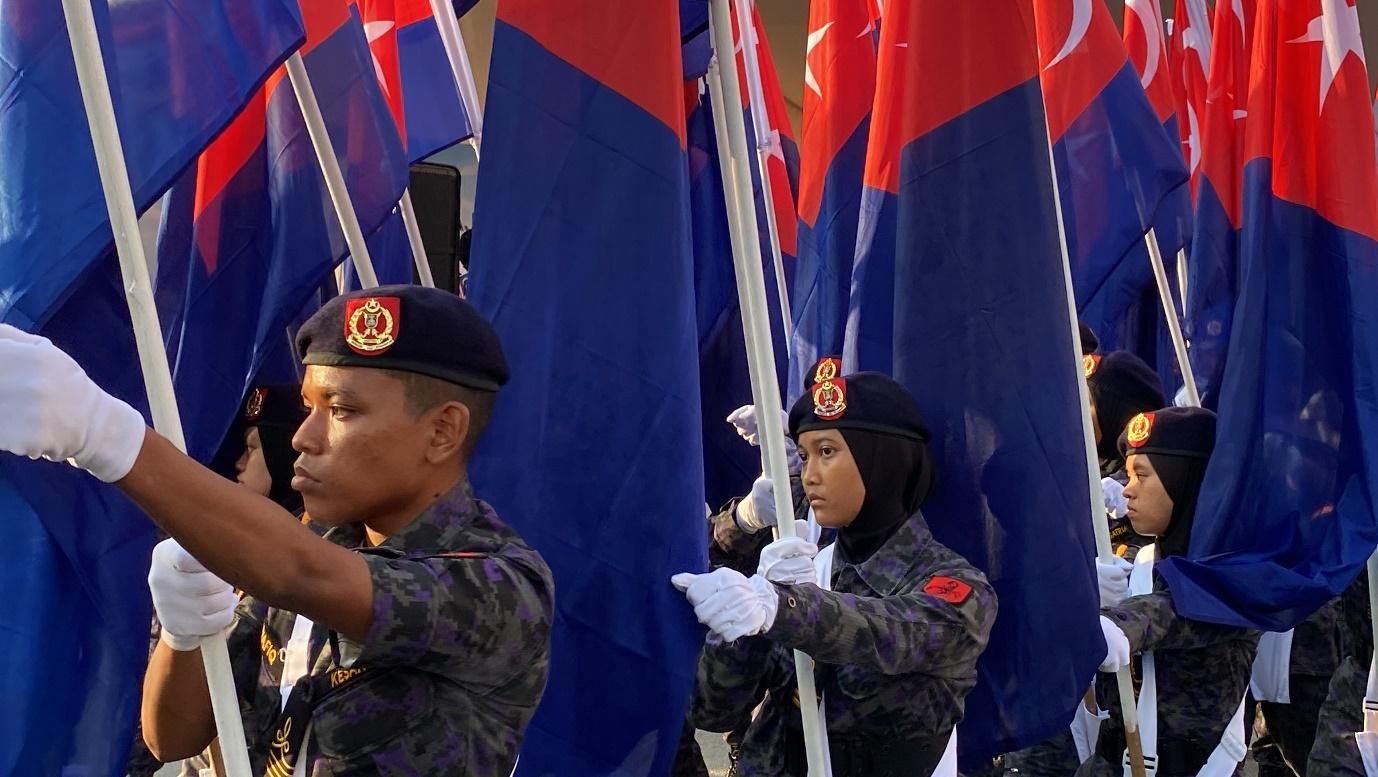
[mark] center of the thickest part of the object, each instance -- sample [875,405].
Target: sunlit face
[251,470]
[1150,507]
[831,479]
[363,454]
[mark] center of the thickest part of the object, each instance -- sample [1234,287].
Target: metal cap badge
[829,391]
[1139,429]
[371,324]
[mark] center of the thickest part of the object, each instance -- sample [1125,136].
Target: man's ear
[449,429]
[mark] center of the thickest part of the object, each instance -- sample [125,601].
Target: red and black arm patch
[949,589]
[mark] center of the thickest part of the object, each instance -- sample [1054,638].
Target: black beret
[278,405]
[1172,431]
[866,401]
[1127,376]
[1089,342]
[407,328]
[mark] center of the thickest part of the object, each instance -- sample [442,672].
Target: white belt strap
[1271,680]
[947,766]
[1368,738]
[1227,755]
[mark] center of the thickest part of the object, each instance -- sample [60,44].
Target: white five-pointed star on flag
[1337,28]
[375,30]
[815,38]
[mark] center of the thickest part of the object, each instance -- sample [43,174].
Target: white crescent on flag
[1153,37]
[1081,22]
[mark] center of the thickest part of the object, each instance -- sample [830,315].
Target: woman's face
[251,471]
[830,477]
[1150,507]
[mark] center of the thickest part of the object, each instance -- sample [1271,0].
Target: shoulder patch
[949,589]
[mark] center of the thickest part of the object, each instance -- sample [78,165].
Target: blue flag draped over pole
[248,233]
[179,72]
[582,261]
[957,174]
[1286,516]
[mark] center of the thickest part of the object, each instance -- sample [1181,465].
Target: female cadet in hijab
[894,620]
[1201,670]
[1121,386]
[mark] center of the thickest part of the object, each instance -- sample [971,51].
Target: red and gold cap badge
[1089,364]
[829,391]
[1139,429]
[371,324]
[253,408]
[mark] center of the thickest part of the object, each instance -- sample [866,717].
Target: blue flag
[248,232]
[175,86]
[179,71]
[582,261]
[1286,516]
[957,173]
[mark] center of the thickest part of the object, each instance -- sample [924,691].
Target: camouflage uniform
[1283,733]
[452,667]
[1335,751]
[894,662]
[1203,670]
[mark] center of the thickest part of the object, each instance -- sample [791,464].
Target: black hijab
[898,474]
[1181,476]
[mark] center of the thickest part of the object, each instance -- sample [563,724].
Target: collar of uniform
[889,566]
[436,528]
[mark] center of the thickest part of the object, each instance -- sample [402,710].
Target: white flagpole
[1371,691]
[1174,326]
[1182,278]
[766,145]
[330,168]
[1129,710]
[751,293]
[453,40]
[124,222]
[418,247]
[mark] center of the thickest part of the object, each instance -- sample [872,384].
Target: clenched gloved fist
[757,510]
[191,602]
[789,560]
[1116,646]
[52,410]
[748,426]
[730,604]
[1113,577]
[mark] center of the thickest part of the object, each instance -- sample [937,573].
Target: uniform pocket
[371,714]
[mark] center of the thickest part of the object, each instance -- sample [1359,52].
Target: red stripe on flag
[630,46]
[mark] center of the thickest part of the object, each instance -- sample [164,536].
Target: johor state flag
[582,261]
[249,232]
[415,75]
[1119,169]
[1286,517]
[179,70]
[78,550]
[1212,279]
[957,168]
[839,83]
[1189,58]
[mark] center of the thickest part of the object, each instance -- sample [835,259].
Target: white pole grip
[330,169]
[124,223]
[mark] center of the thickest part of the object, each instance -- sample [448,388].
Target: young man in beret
[413,636]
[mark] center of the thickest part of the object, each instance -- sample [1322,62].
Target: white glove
[744,418]
[1116,646]
[191,603]
[52,410]
[1113,577]
[730,604]
[1112,492]
[757,510]
[789,560]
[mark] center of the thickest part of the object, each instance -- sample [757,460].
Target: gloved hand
[789,560]
[1113,577]
[730,604]
[748,426]
[757,510]
[1116,646]
[1112,492]
[52,410]
[191,603]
